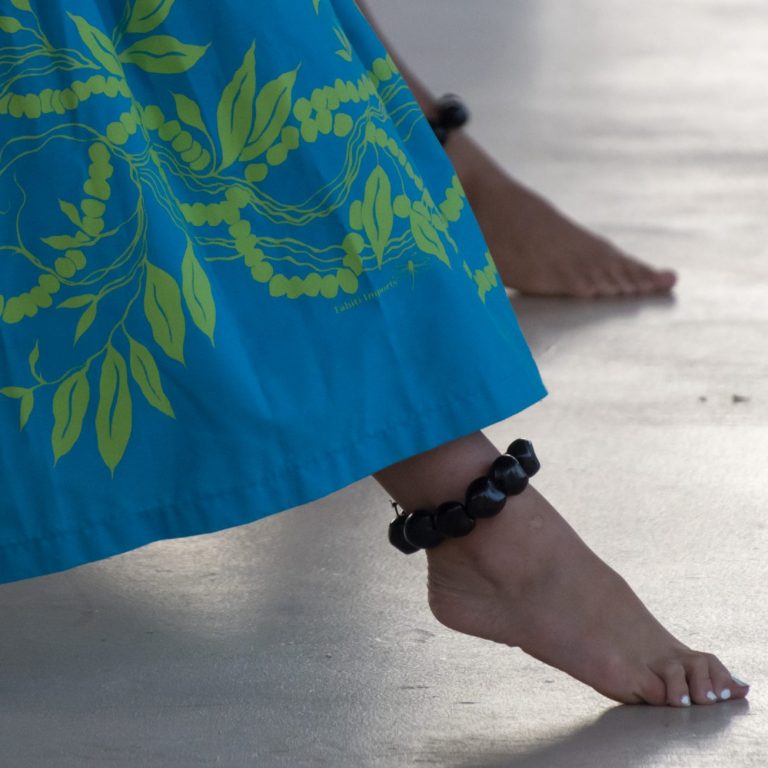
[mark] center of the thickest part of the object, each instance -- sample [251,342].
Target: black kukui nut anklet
[451,113]
[485,497]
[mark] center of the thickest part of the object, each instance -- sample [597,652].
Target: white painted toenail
[686,701]
[725,694]
[739,682]
[711,696]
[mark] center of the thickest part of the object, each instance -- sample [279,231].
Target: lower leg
[524,578]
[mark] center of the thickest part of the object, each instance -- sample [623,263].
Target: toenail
[739,682]
[711,696]
[686,701]
[725,694]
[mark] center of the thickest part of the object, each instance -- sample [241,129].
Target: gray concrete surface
[279,645]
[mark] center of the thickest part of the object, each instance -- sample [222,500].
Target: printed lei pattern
[209,177]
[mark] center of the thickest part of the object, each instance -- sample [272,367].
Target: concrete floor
[278,645]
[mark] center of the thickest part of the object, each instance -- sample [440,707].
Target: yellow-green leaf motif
[162,306]
[98,44]
[273,107]
[235,111]
[197,292]
[189,112]
[163,54]
[64,242]
[377,211]
[85,321]
[76,301]
[15,392]
[147,376]
[147,14]
[34,356]
[70,402]
[71,212]
[27,403]
[345,52]
[22,5]
[9,24]
[426,237]
[114,412]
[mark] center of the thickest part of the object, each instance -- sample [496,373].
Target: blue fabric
[237,272]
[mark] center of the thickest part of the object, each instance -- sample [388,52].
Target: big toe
[647,280]
[726,686]
[664,279]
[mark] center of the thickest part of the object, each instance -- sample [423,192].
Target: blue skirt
[237,272]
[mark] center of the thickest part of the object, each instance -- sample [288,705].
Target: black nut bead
[440,131]
[508,475]
[484,498]
[523,451]
[451,519]
[419,530]
[397,537]
[453,113]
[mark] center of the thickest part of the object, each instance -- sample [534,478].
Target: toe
[642,278]
[725,685]
[664,280]
[699,682]
[678,694]
[622,277]
[580,286]
[605,283]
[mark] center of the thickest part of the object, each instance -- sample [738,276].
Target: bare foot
[524,578]
[537,250]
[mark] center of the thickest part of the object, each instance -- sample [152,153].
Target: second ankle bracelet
[485,497]
[450,114]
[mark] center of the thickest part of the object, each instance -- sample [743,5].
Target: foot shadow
[626,736]
[545,321]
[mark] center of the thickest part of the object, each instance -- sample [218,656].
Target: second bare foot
[538,250]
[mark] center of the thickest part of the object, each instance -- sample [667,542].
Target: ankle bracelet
[451,113]
[484,497]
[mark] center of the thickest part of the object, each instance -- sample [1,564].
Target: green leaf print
[235,111]
[22,5]
[273,107]
[71,212]
[9,24]
[163,54]
[70,403]
[76,301]
[426,237]
[197,292]
[27,403]
[147,376]
[377,212]
[14,392]
[65,242]
[114,412]
[147,14]
[162,306]
[99,44]
[189,112]
[34,356]
[316,3]
[345,52]
[85,321]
